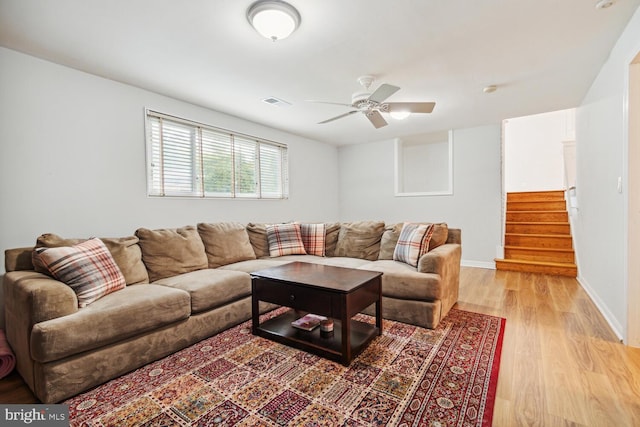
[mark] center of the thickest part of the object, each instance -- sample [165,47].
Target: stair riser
[537,206]
[535,196]
[537,216]
[543,269]
[540,228]
[563,242]
[545,256]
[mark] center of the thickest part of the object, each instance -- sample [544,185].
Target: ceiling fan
[372,104]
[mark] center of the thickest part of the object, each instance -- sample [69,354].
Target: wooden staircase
[538,235]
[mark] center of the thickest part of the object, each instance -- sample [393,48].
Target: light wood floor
[561,363]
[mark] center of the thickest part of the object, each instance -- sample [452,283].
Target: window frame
[400,172]
[202,134]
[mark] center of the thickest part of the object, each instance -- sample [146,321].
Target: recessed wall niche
[424,164]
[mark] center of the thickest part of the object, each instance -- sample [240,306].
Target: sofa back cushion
[171,251]
[360,239]
[332,231]
[225,243]
[124,250]
[389,240]
[258,238]
[439,236]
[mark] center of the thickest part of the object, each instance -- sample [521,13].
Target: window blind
[186,158]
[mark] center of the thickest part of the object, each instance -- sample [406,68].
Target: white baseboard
[479,264]
[602,307]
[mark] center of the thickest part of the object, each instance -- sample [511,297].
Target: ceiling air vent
[272,100]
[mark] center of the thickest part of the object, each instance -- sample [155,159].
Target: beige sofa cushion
[170,251]
[210,288]
[225,243]
[439,235]
[128,256]
[131,311]
[402,281]
[258,238]
[258,264]
[389,239]
[124,250]
[360,239]
[332,230]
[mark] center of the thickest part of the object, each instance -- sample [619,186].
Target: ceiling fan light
[273,19]
[400,115]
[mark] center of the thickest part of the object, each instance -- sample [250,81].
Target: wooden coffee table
[335,292]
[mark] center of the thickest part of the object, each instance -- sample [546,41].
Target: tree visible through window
[185,158]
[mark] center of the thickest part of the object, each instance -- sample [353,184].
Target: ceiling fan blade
[327,102]
[376,119]
[338,117]
[383,92]
[411,107]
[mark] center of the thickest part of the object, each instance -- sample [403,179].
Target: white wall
[367,181]
[72,160]
[600,154]
[533,151]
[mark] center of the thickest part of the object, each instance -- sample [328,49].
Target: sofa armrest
[441,259]
[31,298]
[38,296]
[444,261]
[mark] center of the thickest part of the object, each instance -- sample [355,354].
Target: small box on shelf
[308,322]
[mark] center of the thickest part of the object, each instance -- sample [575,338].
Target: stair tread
[544,263]
[536,192]
[566,236]
[537,222]
[536,201]
[549,211]
[530,248]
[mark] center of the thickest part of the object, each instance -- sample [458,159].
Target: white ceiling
[542,54]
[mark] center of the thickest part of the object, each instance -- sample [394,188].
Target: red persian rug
[409,376]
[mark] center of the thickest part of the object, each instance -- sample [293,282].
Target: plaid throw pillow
[87,267]
[313,237]
[285,239]
[412,243]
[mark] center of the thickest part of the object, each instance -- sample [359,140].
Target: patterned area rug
[409,376]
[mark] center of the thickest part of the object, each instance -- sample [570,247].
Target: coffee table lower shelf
[279,329]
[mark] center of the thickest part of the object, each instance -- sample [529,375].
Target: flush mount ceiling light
[490,89]
[273,19]
[603,4]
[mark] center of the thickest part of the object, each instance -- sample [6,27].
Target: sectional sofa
[174,287]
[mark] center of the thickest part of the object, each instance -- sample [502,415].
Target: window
[186,158]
